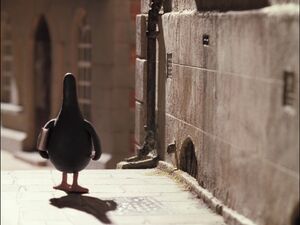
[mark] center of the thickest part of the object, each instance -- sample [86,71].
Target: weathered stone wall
[227,96]
[113,32]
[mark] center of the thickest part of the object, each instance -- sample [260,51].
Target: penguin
[69,141]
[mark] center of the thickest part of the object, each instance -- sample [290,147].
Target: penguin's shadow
[91,205]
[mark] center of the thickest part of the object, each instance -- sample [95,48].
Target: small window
[7,93]
[84,67]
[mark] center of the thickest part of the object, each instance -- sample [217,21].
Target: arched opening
[187,158]
[42,74]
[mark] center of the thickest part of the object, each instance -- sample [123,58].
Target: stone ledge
[12,140]
[231,217]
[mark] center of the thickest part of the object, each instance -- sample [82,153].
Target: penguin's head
[69,80]
[69,92]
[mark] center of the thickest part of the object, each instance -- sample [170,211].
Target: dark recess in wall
[187,158]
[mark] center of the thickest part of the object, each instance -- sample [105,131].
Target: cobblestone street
[132,197]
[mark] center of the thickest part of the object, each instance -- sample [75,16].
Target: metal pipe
[153,16]
[152,33]
[146,156]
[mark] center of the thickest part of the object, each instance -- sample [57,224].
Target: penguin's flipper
[43,137]
[95,139]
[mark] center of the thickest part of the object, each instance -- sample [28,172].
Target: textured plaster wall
[227,96]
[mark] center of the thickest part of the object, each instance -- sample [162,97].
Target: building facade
[43,40]
[228,97]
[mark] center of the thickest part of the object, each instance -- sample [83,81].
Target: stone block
[185,95]
[250,175]
[140,79]
[283,23]
[183,37]
[141,39]
[140,121]
[241,52]
[209,101]
[281,140]
[250,85]
[246,43]
[12,140]
[241,102]
[222,5]
[275,2]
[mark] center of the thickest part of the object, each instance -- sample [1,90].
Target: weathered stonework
[226,94]
[141,41]
[140,79]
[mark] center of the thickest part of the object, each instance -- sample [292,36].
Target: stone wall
[226,88]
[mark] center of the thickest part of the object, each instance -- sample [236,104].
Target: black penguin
[68,140]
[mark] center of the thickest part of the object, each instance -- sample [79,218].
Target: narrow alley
[170,112]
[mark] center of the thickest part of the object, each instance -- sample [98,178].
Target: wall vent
[288,88]
[205,39]
[169,65]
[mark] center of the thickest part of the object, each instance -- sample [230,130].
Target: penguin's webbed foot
[63,187]
[75,188]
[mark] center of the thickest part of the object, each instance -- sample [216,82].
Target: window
[84,68]
[7,95]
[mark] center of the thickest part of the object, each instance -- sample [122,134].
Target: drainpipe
[152,34]
[147,155]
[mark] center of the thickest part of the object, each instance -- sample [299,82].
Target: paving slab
[120,197]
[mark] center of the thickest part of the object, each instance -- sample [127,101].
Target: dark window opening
[288,88]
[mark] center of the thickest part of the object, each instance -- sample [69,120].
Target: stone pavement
[129,197]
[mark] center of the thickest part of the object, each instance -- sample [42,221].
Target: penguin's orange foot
[63,187]
[75,188]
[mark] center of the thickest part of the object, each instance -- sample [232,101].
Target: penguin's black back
[69,143]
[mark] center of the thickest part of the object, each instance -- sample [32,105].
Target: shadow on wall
[227,5]
[295,219]
[91,205]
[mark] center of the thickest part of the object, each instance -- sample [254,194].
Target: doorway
[42,74]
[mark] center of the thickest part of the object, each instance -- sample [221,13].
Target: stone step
[12,140]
